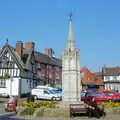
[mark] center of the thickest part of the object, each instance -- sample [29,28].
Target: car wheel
[35,97]
[53,98]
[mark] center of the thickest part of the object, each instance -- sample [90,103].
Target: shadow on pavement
[10,118]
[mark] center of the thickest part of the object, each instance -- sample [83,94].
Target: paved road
[10,119]
[109,117]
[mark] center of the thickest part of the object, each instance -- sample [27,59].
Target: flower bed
[31,107]
[111,104]
[48,109]
[112,108]
[38,104]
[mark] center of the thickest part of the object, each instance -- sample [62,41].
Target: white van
[44,93]
[53,90]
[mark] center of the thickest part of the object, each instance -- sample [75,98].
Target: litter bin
[30,98]
[12,104]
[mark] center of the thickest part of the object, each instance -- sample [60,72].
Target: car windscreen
[94,94]
[109,93]
[46,92]
[52,92]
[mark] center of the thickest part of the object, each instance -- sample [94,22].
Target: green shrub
[30,111]
[26,111]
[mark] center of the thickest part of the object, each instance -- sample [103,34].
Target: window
[2,83]
[107,78]
[14,72]
[0,64]
[0,72]
[46,92]
[30,83]
[115,78]
[18,72]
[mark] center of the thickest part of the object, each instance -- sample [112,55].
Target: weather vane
[70,16]
[6,41]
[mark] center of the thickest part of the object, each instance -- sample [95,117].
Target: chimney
[30,45]
[49,52]
[19,48]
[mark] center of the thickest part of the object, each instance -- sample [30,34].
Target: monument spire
[71,41]
[71,83]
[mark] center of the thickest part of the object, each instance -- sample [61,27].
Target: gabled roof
[39,57]
[111,71]
[12,51]
[89,77]
[42,58]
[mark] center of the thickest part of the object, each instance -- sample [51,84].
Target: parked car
[101,96]
[112,95]
[56,91]
[95,96]
[88,96]
[44,93]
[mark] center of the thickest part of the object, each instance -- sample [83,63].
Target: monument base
[74,107]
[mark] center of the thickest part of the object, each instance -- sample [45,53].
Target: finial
[70,16]
[6,41]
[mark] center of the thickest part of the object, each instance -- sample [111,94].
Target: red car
[97,96]
[101,96]
[93,96]
[112,95]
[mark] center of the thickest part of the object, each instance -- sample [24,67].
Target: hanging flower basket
[6,76]
[25,67]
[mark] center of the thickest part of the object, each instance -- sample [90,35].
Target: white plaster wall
[12,86]
[15,86]
[111,78]
[112,86]
[3,90]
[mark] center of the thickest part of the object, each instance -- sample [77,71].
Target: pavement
[10,119]
[7,115]
[109,117]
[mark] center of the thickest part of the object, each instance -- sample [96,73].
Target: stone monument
[71,83]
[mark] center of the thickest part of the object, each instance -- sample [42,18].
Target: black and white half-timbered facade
[111,77]
[15,76]
[22,68]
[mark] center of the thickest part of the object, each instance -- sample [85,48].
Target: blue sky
[96,27]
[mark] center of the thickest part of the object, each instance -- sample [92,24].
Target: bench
[78,108]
